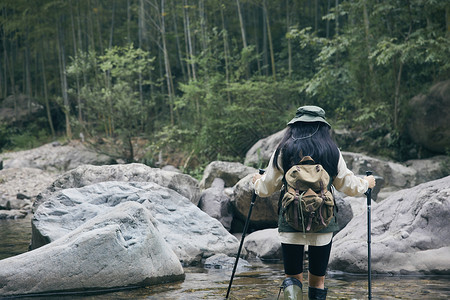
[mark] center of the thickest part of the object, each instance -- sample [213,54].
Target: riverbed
[261,281]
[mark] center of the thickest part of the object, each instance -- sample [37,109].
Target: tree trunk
[397,95]
[241,22]
[186,41]
[288,28]
[75,50]
[111,34]
[269,35]
[177,38]
[9,65]
[62,70]
[189,39]
[366,29]
[47,104]
[226,54]
[328,21]
[337,17]
[141,32]
[167,64]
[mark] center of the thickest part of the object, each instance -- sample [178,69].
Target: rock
[191,233]
[229,172]
[265,210]
[171,169]
[20,186]
[54,158]
[430,168]
[13,214]
[184,184]
[393,174]
[118,248]
[222,261]
[217,204]
[428,121]
[260,153]
[409,234]
[345,212]
[264,244]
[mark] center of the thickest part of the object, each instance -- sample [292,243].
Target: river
[261,281]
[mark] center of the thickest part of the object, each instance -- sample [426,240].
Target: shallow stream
[261,281]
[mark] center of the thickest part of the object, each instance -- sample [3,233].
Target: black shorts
[318,257]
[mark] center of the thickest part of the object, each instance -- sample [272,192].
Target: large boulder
[265,210]
[118,248]
[398,175]
[84,175]
[264,244]
[215,202]
[428,120]
[260,153]
[229,172]
[191,233]
[409,234]
[54,157]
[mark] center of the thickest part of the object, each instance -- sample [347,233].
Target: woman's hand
[256,177]
[371,180]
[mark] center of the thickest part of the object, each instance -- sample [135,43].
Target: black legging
[318,257]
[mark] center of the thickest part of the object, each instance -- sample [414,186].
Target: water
[259,282]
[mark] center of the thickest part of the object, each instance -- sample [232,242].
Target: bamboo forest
[191,81]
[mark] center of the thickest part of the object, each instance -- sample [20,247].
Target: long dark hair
[308,139]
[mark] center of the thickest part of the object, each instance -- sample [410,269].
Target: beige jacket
[346,181]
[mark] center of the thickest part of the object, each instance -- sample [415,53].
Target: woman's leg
[293,260]
[318,262]
[293,267]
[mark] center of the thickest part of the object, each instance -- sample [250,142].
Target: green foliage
[111,97]
[361,61]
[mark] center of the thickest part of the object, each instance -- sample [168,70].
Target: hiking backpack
[307,204]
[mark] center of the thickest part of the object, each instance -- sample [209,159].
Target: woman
[308,134]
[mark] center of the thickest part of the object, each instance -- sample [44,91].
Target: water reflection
[261,281]
[15,236]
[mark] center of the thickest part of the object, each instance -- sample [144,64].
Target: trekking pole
[369,204]
[252,203]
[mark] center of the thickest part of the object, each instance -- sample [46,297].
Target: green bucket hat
[309,113]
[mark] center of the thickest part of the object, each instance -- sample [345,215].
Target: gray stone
[223,261]
[265,210]
[345,212]
[13,214]
[409,234]
[229,172]
[191,233]
[184,184]
[53,158]
[264,244]
[392,173]
[216,203]
[260,153]
[171,169]
[118,248]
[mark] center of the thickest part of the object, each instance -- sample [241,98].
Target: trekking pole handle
[369,191]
